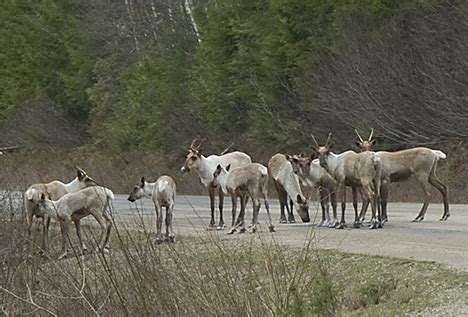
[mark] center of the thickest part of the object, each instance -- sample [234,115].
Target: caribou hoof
[242,230]
[340,226]
[418,219]
[332,224]
[282,220]
[231,231]
[221,227]
[445,217]
[272,228]
[253,229]
[292,220]
[373,225]
[170,238]
[159,240]
[356,225]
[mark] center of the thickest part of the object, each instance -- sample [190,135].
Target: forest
[153,74]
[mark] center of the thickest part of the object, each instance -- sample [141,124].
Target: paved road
[431,240]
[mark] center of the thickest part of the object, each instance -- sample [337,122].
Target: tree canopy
[156,73]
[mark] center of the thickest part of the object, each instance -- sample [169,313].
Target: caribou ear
[218,168]
[142,181]
[228,167]
[288,157]
[299,199]
[42,196]
[358,143]
[373,142]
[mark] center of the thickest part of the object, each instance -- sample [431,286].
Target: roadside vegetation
[210,275]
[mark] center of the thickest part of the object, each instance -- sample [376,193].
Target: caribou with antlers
[398,166]
[356,170]
[206,166]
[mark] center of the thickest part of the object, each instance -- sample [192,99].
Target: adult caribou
[356,170]
[205,167]
[399,166]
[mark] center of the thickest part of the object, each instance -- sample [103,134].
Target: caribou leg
[424,182]
[342,223]
[356,223]
[383,200]
[221,224]
[290,212]
[434,181]
[211,192]
[283,199]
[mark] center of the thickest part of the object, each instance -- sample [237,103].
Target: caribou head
[324,151]
[365,145]
[192,160]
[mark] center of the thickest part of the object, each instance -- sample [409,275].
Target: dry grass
[208,276]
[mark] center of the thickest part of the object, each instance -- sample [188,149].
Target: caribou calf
[53,190]
[75,206]
[250,180]
[163,193]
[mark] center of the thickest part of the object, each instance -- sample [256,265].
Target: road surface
[430,240]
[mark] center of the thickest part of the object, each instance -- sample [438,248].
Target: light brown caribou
[317,178]
[287,184]
[53,190]
[356,170]
[73,207]
[246,181]
[399,166]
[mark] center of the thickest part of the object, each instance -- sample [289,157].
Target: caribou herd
[296,178]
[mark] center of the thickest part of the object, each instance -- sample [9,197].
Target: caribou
[287,184]
[356,170]
[162,193]
[398,166]
[53,190]
[246,181]
[73,207]
[205,167]
[316,177]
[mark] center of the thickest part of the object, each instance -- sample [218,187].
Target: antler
[196,144]
[328,139]
[371,134]
[313,138]
[80,170]
[227,149]
[359,136]
[193,145]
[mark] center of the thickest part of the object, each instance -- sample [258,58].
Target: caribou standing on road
[287,184]
[162,193]
[398,166]
[246,181]
[356,170]
[316,177]
[205,167]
